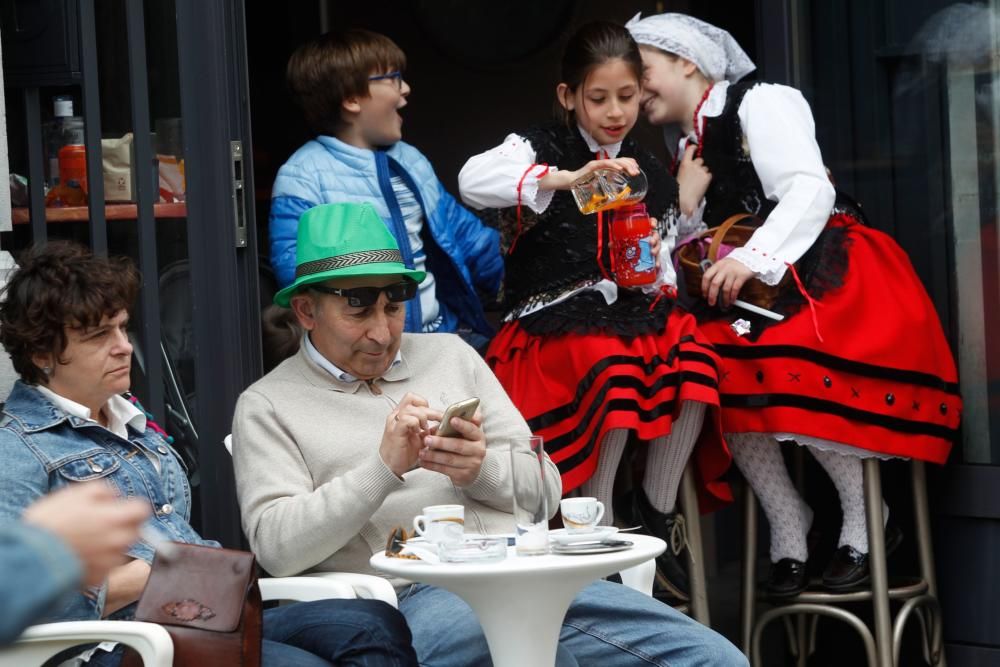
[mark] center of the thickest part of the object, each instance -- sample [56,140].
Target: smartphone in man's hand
[463,409]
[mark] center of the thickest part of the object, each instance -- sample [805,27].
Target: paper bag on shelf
[119,179]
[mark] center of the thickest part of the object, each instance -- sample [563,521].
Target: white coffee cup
[441,523]
[580,515]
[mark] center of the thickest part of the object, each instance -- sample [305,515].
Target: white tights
[758,457]
[665,463]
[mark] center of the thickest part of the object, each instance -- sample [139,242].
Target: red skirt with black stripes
[573,388]
[882,378]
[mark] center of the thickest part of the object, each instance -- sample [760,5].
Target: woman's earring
[47,370]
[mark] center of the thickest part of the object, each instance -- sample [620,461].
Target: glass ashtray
[474,550]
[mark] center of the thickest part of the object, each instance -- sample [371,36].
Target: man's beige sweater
[313,491]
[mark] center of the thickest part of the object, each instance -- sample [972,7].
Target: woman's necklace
[699,126]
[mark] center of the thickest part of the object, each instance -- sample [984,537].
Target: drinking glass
[531,505]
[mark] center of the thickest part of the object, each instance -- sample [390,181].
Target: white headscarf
[712,49]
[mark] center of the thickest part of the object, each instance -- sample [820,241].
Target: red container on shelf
[632,260]
[72,187]
[73,166]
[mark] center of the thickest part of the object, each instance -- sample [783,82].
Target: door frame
[211,41]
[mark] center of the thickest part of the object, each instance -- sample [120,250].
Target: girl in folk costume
[859,366]
[584,359]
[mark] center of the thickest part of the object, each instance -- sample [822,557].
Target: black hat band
[348,260]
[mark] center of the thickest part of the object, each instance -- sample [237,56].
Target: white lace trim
[832,446]
[607,289]
[767,269]
[535,199]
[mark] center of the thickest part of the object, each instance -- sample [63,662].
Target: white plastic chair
[40,642]
[639,577]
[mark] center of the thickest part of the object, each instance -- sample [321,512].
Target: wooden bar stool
[917,595]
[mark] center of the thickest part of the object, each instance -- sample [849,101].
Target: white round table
[521,601]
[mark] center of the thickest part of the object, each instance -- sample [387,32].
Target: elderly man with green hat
[338,445]
[341,252]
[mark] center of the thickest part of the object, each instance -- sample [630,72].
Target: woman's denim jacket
[42,448]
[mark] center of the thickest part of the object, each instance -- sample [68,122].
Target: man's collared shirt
[332,368]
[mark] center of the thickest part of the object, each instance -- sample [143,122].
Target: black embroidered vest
[556,250]
[735,186]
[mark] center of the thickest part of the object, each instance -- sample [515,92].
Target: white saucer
[599,534]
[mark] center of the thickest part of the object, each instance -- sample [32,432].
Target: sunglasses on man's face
[362,297]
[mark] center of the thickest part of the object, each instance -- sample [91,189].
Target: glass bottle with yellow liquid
[606,189]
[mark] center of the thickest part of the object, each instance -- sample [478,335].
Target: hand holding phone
[463,409]
[458,454]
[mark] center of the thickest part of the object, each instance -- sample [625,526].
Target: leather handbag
[207,599]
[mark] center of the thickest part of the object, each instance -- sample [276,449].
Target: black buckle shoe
[671,572]
[848,568]
[671,568]
[787,578]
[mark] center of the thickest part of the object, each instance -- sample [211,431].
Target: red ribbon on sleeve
[520,184]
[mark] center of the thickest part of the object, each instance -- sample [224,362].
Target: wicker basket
[689,259]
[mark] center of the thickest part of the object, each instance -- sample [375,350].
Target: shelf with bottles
[125,211]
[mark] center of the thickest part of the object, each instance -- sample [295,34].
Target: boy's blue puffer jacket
[462,253]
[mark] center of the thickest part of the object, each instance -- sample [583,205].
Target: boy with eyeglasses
[350,87]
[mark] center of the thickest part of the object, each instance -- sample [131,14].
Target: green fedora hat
[343,241]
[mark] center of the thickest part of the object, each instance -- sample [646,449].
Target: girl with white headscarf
[859,365]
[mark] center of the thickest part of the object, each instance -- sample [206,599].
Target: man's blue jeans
[354,633]
[607,624]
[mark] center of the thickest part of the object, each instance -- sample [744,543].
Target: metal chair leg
[749,581]
[790,635]
[695,552]
[876,561]
[928,612]
[922,517]
[813,629]
[918,478]
[802,637]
